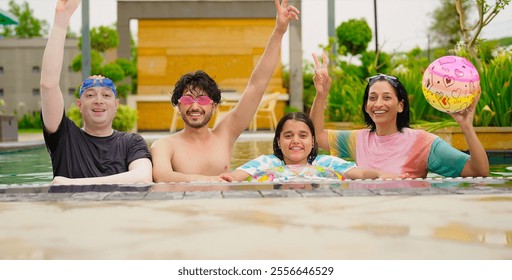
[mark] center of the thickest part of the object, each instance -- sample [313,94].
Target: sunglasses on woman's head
[382,76]
[201,100]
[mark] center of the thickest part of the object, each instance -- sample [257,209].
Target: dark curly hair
[298,116]
[194,81]
[402,119]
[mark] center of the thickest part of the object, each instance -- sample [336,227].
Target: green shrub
[123,89]
[30,120]
[75,115]
[345,98]
[128,67]
[495,105]
[96,62]
[113,71]
[125,119]
[309,91]
[291,109]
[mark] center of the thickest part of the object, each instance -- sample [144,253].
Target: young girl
[295,146]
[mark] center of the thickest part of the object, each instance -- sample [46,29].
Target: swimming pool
[33,166]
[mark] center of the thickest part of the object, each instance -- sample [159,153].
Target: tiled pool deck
[452,218]
[246,190]
[466,219]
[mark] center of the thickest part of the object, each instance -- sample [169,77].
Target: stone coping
[304,188]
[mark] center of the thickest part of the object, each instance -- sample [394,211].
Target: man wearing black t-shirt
[95,153]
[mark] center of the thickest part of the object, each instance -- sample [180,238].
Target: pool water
[33,166]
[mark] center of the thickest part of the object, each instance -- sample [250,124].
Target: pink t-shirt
[399,153]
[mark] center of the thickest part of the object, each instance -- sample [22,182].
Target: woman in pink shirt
[388,143]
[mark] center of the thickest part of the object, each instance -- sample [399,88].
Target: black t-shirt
[76,154]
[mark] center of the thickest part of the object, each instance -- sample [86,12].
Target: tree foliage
[458,21]
[28,27]
[471,31]
[102,38]
[96,62]
[354,36]
[114,71]
[127,66]
[445,27]
[373,63]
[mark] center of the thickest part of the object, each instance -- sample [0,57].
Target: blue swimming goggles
[97,82]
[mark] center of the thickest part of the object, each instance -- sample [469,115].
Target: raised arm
[478,164]
[240,117]
[322,82]
[52,102]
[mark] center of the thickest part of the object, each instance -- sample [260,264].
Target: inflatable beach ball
[450,83]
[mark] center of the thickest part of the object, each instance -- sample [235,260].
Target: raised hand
[285,14]
[465,117]
[321,79]
[64,10]
[68,6]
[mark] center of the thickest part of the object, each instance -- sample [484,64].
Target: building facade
[223,38]
[20,74]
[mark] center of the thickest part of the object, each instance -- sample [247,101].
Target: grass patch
[30,130]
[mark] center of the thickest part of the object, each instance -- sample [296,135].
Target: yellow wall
[154,115]
[226,49]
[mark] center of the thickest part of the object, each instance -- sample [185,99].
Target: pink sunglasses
[201,100]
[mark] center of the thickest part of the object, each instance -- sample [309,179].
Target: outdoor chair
[266,109]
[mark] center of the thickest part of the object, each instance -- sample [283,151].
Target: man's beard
[206,120]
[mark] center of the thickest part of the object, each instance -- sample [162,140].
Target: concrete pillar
[86,41]
[123,30]
[296,79]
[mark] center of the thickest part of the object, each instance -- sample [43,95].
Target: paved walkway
[25,141]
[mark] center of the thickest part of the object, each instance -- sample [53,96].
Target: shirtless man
[94,153]
[198,153]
